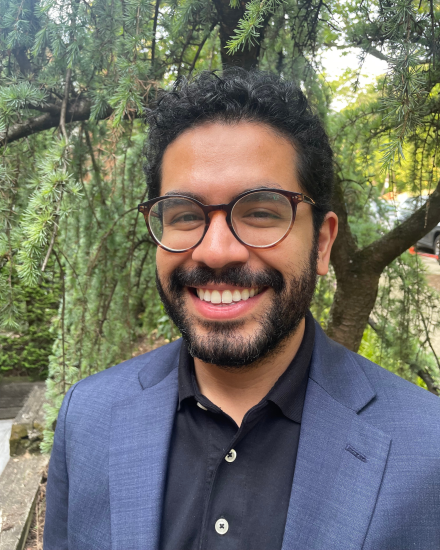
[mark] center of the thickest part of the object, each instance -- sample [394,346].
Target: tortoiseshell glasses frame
[294,199]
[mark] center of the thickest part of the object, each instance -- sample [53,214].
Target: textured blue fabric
[367,474]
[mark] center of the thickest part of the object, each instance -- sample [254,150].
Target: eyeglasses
[259,218]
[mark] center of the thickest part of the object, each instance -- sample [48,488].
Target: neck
[235,392]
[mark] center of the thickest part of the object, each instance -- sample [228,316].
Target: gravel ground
[35,537]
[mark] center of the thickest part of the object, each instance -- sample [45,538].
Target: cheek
[287,257]
[167,262]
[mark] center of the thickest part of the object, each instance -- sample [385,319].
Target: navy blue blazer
[367,473]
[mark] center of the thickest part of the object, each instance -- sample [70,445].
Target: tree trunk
[354,299]
[229,18]
[358,270]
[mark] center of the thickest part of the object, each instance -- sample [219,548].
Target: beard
[222,344]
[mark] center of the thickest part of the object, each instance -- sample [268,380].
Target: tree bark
[358,270]
[22,60]
[229,18]
[77,110]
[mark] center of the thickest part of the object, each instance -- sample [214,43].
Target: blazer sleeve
[57,491]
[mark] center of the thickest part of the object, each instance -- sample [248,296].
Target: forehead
[217,161]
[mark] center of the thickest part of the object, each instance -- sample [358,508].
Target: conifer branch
[104,238]
[63,314]
[64,106]
[153,43]
[76,111]
[200,48]
[383,251]
[22,60]
[417,369]
[54,234]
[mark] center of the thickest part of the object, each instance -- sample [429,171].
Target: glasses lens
[262,218]
[177,223]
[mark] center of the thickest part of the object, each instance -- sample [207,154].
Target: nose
[219,247]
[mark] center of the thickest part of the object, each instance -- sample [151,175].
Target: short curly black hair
[253,96]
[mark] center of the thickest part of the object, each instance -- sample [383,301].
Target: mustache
[240,276]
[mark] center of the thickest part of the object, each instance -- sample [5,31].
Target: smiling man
[254,431]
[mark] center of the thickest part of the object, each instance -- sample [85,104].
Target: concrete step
[12,397]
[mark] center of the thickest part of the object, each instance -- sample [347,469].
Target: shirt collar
[288,392]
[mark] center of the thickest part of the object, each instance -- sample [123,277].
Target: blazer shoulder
[131,376]
[345,371]
[386,400]
[392,386]
[401,406]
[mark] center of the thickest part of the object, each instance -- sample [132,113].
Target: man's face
[214,163]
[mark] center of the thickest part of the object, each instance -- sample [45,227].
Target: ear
[327,236]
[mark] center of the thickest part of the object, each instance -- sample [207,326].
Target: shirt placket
[227,488]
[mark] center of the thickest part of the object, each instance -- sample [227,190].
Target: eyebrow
[202,199]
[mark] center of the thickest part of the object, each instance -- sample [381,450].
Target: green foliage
[46,209]
[323,298]
[249,27]
[27,351]
[406,317]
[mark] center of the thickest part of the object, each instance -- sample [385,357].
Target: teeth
[216,297]
[226,296]
[236,296]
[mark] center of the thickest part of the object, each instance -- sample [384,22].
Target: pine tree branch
[54,234]
[383,251]
[420,371]
[153,43]
[92,263]
[368,48]
[64,105]
[427,378]
[22,60]
[77,110]
[376,53]
[95,166]
[229,19]
[200,48]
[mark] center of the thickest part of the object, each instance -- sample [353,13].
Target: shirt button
[201,406]
[221,526]
[231,456]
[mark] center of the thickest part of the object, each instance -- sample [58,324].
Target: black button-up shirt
[228,487]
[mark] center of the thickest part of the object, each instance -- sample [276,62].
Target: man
[254,432]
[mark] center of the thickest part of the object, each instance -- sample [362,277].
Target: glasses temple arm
[308,200]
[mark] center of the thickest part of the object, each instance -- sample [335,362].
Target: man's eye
[188,217]
[262,214]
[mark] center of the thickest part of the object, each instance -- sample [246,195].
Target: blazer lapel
[138,454]
[341,458]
